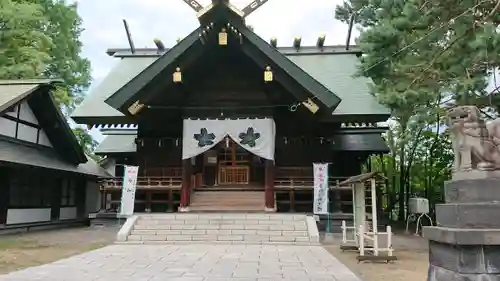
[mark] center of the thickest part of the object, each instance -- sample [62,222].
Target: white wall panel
[27,114]
[27,133]
[15,216]
[7,127]
[43,139]
[92,197]
[68,213]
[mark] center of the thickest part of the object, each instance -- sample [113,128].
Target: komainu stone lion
[476,145]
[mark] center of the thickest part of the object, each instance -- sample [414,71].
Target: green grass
[9,243]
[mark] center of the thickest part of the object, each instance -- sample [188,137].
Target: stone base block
[437,273]
[460,236]
[472,190]
[468,215]
[465,259]
[475,175]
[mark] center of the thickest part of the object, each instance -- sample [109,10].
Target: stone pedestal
[465,244]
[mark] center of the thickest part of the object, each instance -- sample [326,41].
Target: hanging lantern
[177,76]
[268,74]
[223,37]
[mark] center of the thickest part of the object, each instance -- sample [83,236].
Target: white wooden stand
[361,236]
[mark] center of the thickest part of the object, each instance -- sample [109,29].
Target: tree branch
[497,6]
[433,61]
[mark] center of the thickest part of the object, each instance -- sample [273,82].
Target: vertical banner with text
[128,190]
[320,188]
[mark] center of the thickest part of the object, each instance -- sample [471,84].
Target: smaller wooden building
[45,177]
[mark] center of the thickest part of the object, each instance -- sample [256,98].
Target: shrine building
[225,120]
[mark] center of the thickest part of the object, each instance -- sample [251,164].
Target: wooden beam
[129,36]
[195,5]
[250,8]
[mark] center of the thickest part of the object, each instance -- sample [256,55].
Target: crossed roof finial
[247,10]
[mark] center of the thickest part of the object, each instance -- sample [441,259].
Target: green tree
[40,38]
[420,55]
[24,47]
[66,62]
[86,141]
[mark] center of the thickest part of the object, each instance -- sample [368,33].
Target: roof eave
[79,154]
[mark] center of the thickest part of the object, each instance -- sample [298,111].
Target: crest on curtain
[255,135]
[249,137]
[204,138]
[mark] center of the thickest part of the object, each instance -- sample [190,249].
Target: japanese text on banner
[320,188]
[128,190]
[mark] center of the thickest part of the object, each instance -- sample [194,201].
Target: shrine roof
[332,66]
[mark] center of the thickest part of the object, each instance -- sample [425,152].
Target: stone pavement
[195,262]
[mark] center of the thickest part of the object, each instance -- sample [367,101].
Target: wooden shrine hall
[224,120]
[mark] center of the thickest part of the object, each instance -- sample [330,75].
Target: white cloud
[171,19]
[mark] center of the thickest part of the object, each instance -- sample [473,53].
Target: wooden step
[228,201]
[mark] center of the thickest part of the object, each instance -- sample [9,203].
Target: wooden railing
[306,183]
[145,183]
[234,175]
[162,172]
[294,190]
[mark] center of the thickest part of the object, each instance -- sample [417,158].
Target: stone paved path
[196,262]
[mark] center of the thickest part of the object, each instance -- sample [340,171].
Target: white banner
[128,190]
[255,135]
[320,206]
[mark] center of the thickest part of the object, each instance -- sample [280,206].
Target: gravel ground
[412,263]
[36,248]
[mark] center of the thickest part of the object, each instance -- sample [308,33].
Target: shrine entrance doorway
[233,165]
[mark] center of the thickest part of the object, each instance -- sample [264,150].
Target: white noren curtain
[255,135]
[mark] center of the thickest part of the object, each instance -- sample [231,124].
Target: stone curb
[126,229]
[312,228]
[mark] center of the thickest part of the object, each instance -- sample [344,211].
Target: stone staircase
[227,201]
[210,228]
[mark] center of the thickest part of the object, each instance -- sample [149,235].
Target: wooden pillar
[149,196]
[186,185]
[4,194]
[269,187]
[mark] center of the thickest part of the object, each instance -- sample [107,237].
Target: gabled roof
[13,91]
[338,72]
[292,77]
[119,142]
[37,94]
[334,67]
[94,107]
